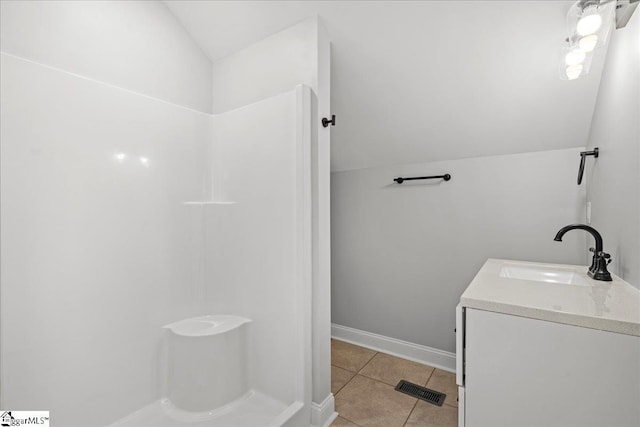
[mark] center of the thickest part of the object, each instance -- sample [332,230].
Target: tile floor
[363,382]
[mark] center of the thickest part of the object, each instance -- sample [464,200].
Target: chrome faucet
[598,269]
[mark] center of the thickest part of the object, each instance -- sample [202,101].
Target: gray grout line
[355,374]
[410,412]
[367,362]
[429,379]
[343,385]
[349,420]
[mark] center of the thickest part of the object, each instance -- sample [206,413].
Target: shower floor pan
[253,409]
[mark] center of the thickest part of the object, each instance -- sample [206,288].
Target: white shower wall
[258,248]
[102,243]
[98,251]
[108,230]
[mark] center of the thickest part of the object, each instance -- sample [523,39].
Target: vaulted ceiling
[426,81]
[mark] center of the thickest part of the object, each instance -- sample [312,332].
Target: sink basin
[567,276]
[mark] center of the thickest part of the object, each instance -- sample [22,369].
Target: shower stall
[157,262]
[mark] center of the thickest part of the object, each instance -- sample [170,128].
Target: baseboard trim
[418,353]
[323,414]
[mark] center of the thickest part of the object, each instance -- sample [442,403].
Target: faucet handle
[592,250]
[600,261]
[605,257]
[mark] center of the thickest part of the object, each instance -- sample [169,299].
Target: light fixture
[120,157]
[144,161]
[589,23]
[588,43]
[574,71]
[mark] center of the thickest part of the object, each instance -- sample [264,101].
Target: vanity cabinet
[520,361]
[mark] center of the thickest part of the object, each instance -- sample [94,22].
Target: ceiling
[424,81]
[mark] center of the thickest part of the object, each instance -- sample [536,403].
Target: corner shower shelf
[206,325]
[209,202]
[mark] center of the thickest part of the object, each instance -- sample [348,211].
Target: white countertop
[610,306]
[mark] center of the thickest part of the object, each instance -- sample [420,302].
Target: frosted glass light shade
[574,57]
[588,43]
[574,71]
[589,24]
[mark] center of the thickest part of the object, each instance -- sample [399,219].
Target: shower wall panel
[97,249]
[258,249]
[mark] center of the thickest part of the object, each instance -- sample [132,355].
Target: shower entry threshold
[253,409]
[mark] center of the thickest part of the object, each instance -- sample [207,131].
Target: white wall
[498,69]
[322,235]
[271,66]
[137,45]
[613,180]
[97,254]
[403,254]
